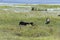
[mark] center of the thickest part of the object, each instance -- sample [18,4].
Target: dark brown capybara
[25,23]
[58,15]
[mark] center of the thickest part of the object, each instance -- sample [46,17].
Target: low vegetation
[11,30]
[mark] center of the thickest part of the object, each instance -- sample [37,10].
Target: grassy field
[10,29]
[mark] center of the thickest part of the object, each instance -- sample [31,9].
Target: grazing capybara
[25,23]
[58,15]
[47,21]
[32,8]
